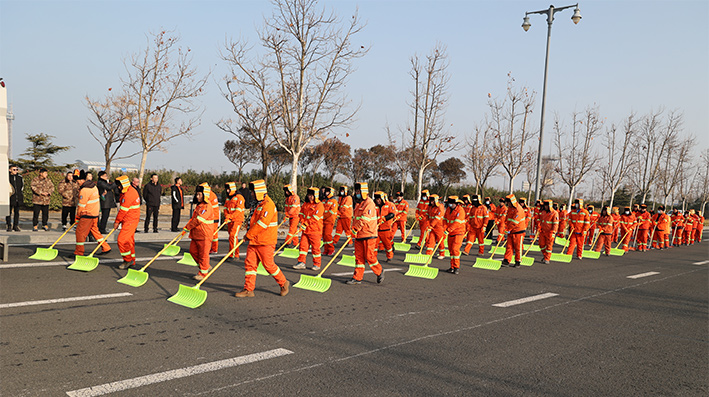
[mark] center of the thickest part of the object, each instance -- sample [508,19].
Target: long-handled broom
[489,263]
[187,258]
[193,297]
[136,278]
[418,258]
[318,283]
[403,246]
[620,252]
[89,263]
[425,271]
[47,254]
[561,257]
[591,253]
[526,260]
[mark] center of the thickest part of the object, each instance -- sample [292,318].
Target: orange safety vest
[662,222]
[421,210]
[516,219]
[402,208]
[365,219]
[435,217]
[455,220]
[579,220]
[644,220]
[311,217]
[263,229]
[129,209]
[627,222]
[605,223]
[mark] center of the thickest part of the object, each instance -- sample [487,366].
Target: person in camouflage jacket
[69,190]
[42,189]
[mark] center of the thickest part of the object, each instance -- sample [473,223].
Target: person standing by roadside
[42,188]
[69,190]
[106,191]
[16,184]
[151,196]
[177,198]
[87,215]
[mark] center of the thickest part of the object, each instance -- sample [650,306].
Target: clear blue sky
[623,56]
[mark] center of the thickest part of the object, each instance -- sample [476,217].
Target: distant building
[100,165]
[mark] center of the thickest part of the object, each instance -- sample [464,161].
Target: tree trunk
[403,181]
[644,197]
[143,159]
[610,204]
[572,190]
[294,173]
[512,184]
[418,182]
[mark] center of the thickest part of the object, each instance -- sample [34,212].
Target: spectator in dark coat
[106,191]
[16,184]
[246,194]
[178,203]
[151,197]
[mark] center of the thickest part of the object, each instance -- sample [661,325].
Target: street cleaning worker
[515,227]
[261,237]
[579,223]
[436,228]
[605,236]
[548,228]
[344,215]
[87,212]
[128,218]
[234,208]
[593,218]
[329,218]
[386,212]
[501,219]
[201,228]
[364,228]
[477,220]
[422,217]
[661,222]
[644,226]
[402,214]
[627,225]
[311,223]
[455,221]
[214,202]
[292,207]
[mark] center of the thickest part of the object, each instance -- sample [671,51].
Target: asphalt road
[595,332]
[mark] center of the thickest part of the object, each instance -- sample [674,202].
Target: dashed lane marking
[525,300]
[62,300]
[133,383]
[641,275]
[700,263]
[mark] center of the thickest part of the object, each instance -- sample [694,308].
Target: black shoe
[126,265]
[154,231]
[174,230]
[9,228]
[353,282]
[505,263]
[17,229]
[388,260]
[145,231]
[451,270]
[104,252]
[515,265]
[380,277]
[103,232]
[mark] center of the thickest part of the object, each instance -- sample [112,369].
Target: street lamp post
[526,25]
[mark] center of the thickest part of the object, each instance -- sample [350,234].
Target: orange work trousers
[423,225]
[434,236]
[126,240]
[660,239]
[386,238]
[233,238]
[604,243]
[199,249]
[625,242]
[344,229]
[86,226]
[366,251]
[263,254]
[313,241]
[677,236]
[642,239]
[698,234]
[514,246]
[215,238]
[546,244]
[576,241]
[328,242]
[293,231]
[501,231]
[399,225]
[475,234]
[454,245]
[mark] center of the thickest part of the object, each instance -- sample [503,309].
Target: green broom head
[45,254]
[261,271]
[84,263]
[172,250]
[422,272]
[290,253]
[591,254]
[487,241]
[402,247]
[416,258]
[560,258]
[188,260]
[414,239]
[533,248]
[134,278]
[617,252]
[191,297]
[489,264]
[527,261]
[313,283]
[347,260]
[561,241]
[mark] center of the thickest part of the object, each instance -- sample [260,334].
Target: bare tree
[238,154]
[402,160]
[428,136]
[617,160]
[480,156]
[509,120]
[336,156]
[112,121]
[574,145]
[654,138]
[703,185]
[299,80]
[162,82]
[671,171]
[360,166]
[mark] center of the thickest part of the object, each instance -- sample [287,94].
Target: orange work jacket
[330,208]
[311,217]
[549,222]
[435,217]
[627,222]
[263,229]
[644,220]
[234,208]
[292,206]
[201,226]
[421,210]
[89,202]
[501,214]
[478,216]
[661,222]
[364,223]
[516,219]
[579,220]
[344,207]
[605,224]
[384,210]
[129,209]
[455,220]
[402,208]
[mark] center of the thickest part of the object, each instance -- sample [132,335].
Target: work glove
[185,230]
[388,216]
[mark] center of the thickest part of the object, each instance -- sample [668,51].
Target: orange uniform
[386,213]
[627,225]
[501,219]
[644,226]
[455,228]
[422,217]
[344,213]
[593,218]
[201,228]
[234,208]
[311,222]
[515,226]
[677,228]
[87,215]
[262,237]
[402,211]
[436,228]
[579,223]
[563,216]
[688,229]
[330,207]
[698,227]
[477,220]
[214,201]
[548,228]
[661,223]
[292,208]
[605,226]
[128,216]
[616,224]
[364,227]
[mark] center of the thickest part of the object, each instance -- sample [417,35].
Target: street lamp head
[526,25]
[577,15]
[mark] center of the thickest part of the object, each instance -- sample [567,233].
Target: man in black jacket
[151,197]
[178,203]
[106,191]
[17,184]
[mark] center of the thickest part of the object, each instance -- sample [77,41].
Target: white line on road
[62,300]
[67,263]
[114,387]
[641,275]
[700,263]
[393,269]
[525,300]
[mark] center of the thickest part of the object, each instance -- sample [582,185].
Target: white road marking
[641,275]
[700,263]
[67,262]
[393,269]
[525,300]
[62,300]
[114,387]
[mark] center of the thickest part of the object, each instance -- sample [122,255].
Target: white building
[100,165]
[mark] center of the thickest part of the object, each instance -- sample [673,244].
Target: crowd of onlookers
[42,188]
